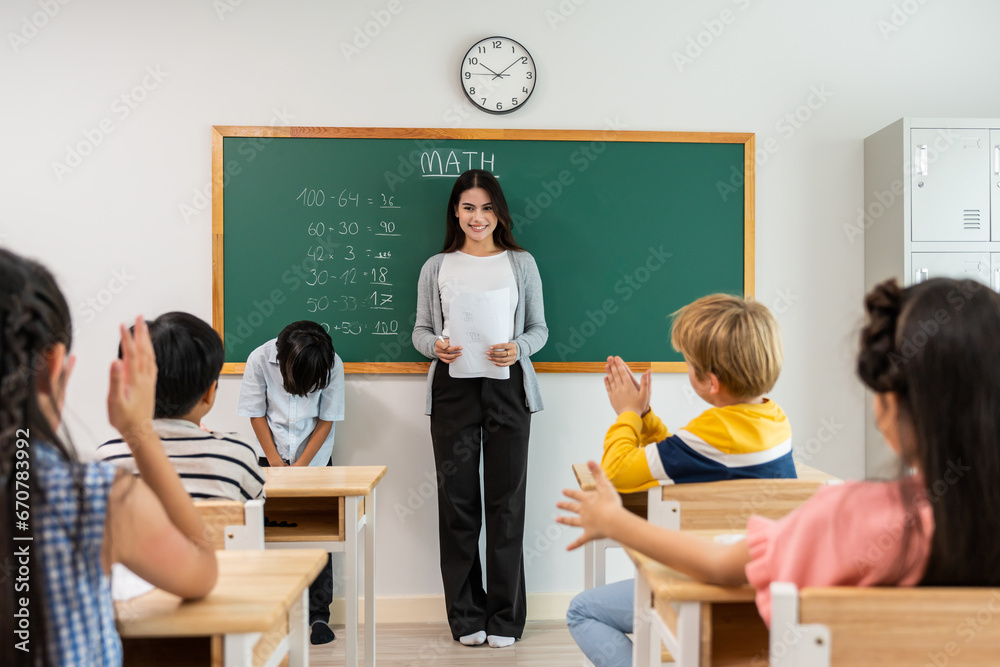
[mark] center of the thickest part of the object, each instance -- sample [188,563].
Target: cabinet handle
[921,160]
[996,159]
[996,280]
[919,276]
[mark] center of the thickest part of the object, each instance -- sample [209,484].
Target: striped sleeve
[685,458]
[727,443]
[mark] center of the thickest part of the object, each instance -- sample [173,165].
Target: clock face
[498,75]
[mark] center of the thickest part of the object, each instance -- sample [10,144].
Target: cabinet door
[995,186]
[960,265]
[949,178]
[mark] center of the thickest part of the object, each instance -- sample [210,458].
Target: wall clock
[498,75]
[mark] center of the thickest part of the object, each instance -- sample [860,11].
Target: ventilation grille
[971,219]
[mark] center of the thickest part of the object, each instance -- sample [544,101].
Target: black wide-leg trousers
[473,417]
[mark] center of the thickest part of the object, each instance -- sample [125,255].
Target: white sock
[475,639]
[497,641]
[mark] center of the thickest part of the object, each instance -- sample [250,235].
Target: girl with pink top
[930,355]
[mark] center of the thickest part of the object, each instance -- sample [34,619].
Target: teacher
[474,409]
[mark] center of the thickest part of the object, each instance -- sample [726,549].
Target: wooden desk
[258,608]
[704,512]
[686,615]
[331,505]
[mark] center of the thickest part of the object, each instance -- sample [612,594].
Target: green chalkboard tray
[333,225]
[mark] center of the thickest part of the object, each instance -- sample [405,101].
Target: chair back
[726,505]
[888,627]
[232,525]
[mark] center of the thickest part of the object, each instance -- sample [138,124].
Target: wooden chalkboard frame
[219,132]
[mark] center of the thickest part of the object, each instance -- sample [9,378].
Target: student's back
[59,609]
[189,358]
[732,347]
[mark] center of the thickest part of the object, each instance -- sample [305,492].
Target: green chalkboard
[333,225]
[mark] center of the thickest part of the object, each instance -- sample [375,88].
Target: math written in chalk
[351,238]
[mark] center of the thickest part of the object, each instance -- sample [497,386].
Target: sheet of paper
[125,584]
[478,320]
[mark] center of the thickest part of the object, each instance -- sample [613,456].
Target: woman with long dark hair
[477,414]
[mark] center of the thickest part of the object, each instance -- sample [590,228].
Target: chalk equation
[351,254]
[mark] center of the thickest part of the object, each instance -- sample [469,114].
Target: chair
[888,627]
[717,506]
[232,525]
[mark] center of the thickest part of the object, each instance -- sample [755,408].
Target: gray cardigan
[530,332]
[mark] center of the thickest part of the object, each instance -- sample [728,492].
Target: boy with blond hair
[732,347]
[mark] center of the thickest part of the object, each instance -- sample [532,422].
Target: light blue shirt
[290,418]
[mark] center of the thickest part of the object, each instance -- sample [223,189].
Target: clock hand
[507,68]
[491,71]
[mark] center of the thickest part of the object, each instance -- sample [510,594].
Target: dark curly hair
[935,346]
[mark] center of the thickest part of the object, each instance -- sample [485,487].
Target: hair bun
[876,367]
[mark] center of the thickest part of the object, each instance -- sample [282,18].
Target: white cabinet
[995,185]
[950,184]
[931,208]
[973,265]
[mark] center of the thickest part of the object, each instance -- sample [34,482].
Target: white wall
[118,212]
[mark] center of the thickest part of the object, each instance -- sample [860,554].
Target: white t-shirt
[463,274]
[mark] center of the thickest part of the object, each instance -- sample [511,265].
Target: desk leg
[689,634]
[351,578]
[238,649]
[642,635]
[298,635]
[588,565]
[600,563]
[370,580]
